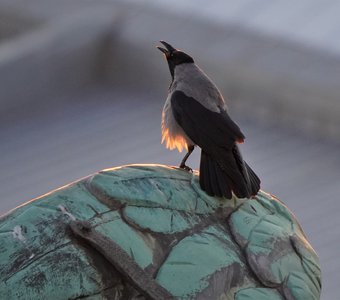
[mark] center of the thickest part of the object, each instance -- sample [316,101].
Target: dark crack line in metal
[95,225]
[36,257]
[198,196]
[170,208]
[171,222]
[292,242]
[96,213]
[178,237]
[99,196]
[220,239]
[93,294]
[121,261]
[170,196]
[243,256]
[171,237]
[278,287]
[132,224]
[281,289]
[108,201]
[102,197]
[271,212]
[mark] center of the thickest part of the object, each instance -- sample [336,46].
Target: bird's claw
[186,168]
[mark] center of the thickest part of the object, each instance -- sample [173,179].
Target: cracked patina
[175,241]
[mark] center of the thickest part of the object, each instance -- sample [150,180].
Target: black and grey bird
[195,113]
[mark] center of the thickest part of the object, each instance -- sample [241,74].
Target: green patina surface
[196,258]
[161,220]
[258,293]
[128,239]
[195,246]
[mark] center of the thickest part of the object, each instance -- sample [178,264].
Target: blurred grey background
[82,87]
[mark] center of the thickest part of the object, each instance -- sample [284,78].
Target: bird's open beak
[168,49]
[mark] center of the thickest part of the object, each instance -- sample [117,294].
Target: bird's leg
[183,165]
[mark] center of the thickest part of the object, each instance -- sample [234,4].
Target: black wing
[216,134]
[209,130]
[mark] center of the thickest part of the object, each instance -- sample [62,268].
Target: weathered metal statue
[150,232]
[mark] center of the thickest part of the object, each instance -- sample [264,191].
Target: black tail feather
[205,180]
[212,178]
[254,181]
[223,182]
[215,181]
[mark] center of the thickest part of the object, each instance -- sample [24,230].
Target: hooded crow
[195,113]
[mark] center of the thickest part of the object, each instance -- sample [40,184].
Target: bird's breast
[172,134]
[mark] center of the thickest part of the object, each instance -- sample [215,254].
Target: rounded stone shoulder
[186,244]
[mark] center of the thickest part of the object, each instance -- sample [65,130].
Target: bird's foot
[185,167]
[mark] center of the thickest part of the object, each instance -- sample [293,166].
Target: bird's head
[174,57]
